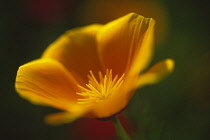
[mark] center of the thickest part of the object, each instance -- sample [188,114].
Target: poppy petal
[76,50]
[47,82]
[144,54]
[156,73]
[64,117]
[120,42]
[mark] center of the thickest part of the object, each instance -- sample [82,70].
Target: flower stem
[120,130]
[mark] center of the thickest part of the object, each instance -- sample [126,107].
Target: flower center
[99,90]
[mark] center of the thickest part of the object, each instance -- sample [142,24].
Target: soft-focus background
[178,108]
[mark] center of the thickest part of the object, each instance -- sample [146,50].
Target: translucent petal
[121,41]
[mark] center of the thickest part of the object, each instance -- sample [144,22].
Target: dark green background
[178,108]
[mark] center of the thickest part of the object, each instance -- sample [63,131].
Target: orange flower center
[99,90]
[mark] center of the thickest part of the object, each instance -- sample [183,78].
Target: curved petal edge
[156,73]
[61,118]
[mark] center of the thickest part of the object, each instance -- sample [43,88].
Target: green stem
[120,130]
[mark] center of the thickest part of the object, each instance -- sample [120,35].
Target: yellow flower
[94,70]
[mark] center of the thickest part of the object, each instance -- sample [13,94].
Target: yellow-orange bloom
[94,70]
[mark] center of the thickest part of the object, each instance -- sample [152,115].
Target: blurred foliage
[178,108]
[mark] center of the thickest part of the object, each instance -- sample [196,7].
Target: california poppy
[93,71]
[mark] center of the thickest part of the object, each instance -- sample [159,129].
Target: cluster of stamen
[100,90]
